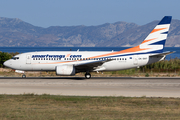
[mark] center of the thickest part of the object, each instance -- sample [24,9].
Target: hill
[15,32]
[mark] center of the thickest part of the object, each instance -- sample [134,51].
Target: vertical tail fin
[155,41]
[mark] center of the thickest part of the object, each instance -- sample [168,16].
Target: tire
[23,76]
[87,75]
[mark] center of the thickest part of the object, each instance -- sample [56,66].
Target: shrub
[3,57]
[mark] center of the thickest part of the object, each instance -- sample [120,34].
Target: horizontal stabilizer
[164,53]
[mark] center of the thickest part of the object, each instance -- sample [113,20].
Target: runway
[97,86]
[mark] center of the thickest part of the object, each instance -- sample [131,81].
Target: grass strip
[50,107]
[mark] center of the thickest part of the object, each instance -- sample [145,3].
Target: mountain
[15,32]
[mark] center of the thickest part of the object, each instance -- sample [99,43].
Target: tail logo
[155,41]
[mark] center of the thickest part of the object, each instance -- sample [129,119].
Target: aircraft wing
[91,65]
[162,54]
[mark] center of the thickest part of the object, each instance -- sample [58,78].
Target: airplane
[68,63]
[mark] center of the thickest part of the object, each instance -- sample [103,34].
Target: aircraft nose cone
[6,63]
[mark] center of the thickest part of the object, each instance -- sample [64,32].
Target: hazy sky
[47,13]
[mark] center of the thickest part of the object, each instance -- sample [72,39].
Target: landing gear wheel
[23,76]
[87,75]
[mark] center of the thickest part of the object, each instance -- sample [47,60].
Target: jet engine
[65,70]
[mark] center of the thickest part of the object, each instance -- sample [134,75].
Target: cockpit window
[15,58]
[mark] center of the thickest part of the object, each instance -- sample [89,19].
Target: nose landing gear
[22,72]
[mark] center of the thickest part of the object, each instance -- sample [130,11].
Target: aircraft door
[28,59]
[135,59]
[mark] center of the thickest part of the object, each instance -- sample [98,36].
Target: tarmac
[96,86]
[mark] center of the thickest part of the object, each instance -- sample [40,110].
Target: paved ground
[97,86]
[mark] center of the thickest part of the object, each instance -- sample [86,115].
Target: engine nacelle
[65,70]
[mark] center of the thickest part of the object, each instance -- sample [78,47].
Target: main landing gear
[87,75]
[23,76]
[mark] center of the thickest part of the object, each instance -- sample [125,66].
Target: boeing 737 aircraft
[72,62]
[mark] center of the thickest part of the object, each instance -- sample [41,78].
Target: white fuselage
[48,60]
